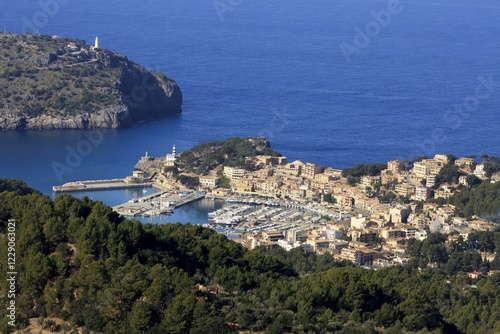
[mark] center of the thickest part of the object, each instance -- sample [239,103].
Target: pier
[158,203]
[162,202]
[98,185]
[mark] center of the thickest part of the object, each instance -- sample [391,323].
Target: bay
[276,68]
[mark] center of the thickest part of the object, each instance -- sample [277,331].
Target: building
[420,170]
[399,214]
[171,158]
[393,166]
[285,245]
[233,173]
[431,181]
[465,164]
[264,160]
[72,47]
[272,236]
[220,192]
[441,159]
[146,158]
[404,189]
[292,169]
[140,174]
[322,178]
[334,173]
[309,170]
[337,246]
[479,171]
[463,180]
[422,193]
[209,181]
[334,232]
[269,185]
[359,257]
[366,236]
[348,201]
[370,181]
[388,177]
[475,274]
[358,222]
[392,233]
[429,166]
[444,192]
[267,160]
[318,244]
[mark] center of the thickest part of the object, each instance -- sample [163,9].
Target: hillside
[234,152]
[82,268]
[55,83]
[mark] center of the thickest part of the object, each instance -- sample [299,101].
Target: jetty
[162,202]
[99,185]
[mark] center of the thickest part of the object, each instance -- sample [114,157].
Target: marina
[254,215]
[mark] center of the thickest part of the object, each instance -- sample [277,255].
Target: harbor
[254,214]
[229,211]
[162,202]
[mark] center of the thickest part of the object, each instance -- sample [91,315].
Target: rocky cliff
[58,83]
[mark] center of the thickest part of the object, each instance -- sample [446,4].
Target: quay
[162,202]
[98,185]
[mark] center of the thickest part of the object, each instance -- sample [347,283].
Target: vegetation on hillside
[233,152]
[364,169]
[78,261]
[481,201]
[44,75]
[491,164]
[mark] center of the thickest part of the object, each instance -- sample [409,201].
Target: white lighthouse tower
[171,158]
[96,43]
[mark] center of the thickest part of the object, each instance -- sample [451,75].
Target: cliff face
[55,83]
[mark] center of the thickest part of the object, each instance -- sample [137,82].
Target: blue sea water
[276,68]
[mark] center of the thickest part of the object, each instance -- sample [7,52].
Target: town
[366,214]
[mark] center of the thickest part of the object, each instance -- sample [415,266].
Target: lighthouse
[96,44]
[171,157]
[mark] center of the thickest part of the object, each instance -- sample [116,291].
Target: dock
[98,185]
[158,203]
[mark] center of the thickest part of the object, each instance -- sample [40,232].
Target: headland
[51,82]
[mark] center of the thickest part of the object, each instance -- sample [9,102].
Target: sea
[333,82]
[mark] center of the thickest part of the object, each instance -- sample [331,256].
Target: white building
[479,171]
[171,157]
[209,181]
[422,193]
[233,173]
